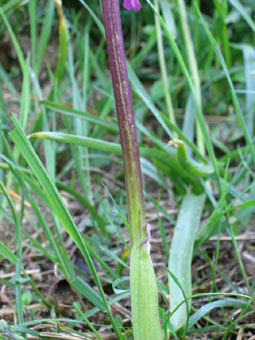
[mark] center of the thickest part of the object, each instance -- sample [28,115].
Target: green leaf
[88,142]
[202,171]
[180,256]
[242,10]
[57,205]
[80,114]
[205,309]
[199,114]
[236,104]
[144,296]
[7,253]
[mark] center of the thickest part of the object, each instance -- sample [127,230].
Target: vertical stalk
[17,278]
[126,120]
[193,68]
[143,285]
[162,63]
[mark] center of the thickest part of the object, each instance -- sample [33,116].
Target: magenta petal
[132,4]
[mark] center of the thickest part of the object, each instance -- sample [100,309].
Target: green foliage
[59,89]
[180,257]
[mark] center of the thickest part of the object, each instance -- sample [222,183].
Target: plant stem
[143,285]
[162,63]
[126,120]
[193,67]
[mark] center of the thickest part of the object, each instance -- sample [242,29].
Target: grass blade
[80,114]
[205,309]
[56,203]
[200,116]
[7,253]
[238,110]
[17,279]
[242,10]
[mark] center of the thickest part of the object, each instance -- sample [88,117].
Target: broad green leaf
[180,256]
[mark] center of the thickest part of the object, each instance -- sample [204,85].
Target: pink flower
[132,4]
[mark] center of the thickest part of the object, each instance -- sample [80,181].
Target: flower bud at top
[132,5]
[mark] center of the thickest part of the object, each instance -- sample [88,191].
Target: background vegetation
[62,183]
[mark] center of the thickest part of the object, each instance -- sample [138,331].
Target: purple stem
[126,120]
